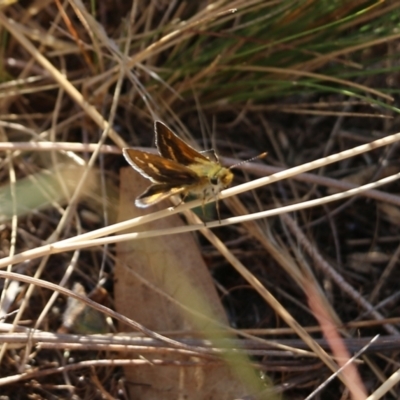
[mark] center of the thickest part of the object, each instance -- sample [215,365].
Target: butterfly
[179,169]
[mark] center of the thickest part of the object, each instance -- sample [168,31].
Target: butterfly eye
[214,180]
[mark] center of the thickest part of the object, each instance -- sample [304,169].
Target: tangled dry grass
[298,281]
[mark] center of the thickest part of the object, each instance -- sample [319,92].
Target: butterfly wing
[155,193]
[159,169]
[172,147]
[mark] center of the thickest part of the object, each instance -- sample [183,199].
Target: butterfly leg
[217,208]
[203,210]
[216,199]
[182,200]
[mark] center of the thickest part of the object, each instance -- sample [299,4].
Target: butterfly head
[222,178]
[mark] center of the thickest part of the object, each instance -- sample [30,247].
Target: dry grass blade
[88,240]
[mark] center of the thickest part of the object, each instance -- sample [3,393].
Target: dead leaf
[174,265]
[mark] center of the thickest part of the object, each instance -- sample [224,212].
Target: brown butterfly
[179,169]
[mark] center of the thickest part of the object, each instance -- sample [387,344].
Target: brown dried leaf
[174,265]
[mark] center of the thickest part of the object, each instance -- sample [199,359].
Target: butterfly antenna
[262,155]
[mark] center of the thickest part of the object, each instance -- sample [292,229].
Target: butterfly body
[213,179]
[179,169]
